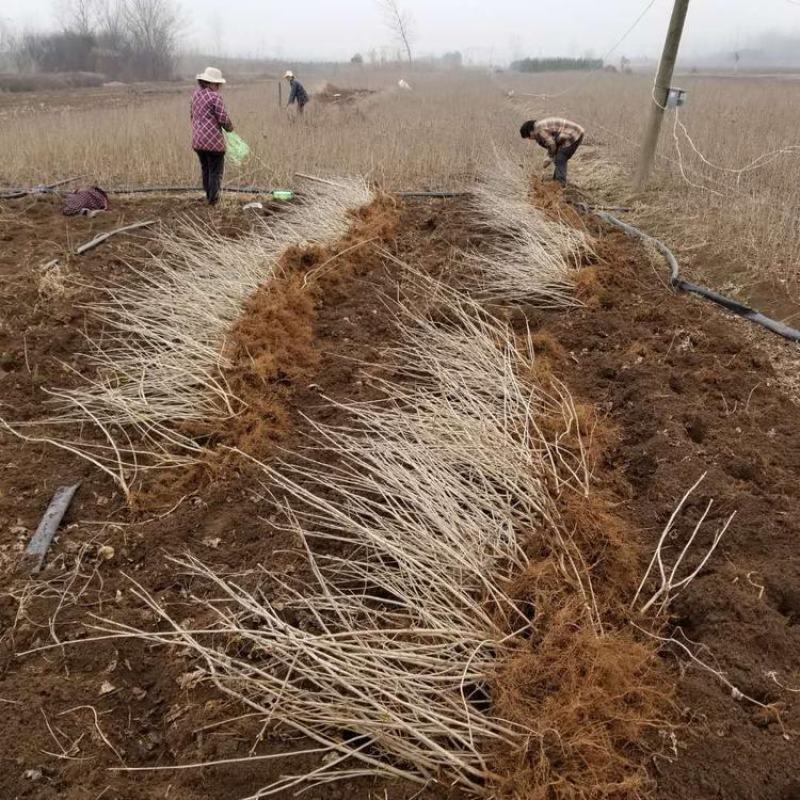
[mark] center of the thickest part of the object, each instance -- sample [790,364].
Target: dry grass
[464,619]
[531,257]
[399,139]
[731,215]
[733,220]
[394,639]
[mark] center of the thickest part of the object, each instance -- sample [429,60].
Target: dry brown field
[724,195]
[400,497]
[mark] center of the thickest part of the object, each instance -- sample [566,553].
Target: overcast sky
[482,29]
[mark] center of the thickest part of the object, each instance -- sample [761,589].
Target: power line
[588,77]
[633,27]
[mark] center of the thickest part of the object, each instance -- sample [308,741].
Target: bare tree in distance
[8,45]
[152,28]
[400,22]
[6,35]
[78,16]
[119,39]
[111,23]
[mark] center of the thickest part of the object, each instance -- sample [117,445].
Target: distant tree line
[556,64]
[122,39]
[450,60]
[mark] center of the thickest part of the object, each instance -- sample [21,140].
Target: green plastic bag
[236,148]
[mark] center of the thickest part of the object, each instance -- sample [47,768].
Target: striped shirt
[555,132]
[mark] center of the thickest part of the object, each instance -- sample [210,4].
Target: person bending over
[560,137]
[297,94]
[209,119]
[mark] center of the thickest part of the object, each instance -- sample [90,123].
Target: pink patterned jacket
[208,117]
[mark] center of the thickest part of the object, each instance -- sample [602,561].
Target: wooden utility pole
[658,101]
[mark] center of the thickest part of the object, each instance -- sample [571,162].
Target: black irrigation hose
[256,190]
[675,280]
[678,283]
[15,194]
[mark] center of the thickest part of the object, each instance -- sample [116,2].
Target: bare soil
[689,392]
[680,390]
[15,104]
[154,713]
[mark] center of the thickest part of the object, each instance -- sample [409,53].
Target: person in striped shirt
[560,137]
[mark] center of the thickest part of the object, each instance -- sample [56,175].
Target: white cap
[211,75]
[289,74]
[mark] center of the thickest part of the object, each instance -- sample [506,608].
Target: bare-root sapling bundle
[158,366]
[531,257]
[417,524]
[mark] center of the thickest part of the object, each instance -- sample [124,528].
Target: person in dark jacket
[297,94]
[560,137]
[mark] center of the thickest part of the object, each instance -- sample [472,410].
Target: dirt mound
[273,348]
[334,95]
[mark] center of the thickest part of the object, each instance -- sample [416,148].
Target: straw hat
[289,74]
[211,75]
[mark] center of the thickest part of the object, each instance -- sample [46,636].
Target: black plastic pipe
[678,283]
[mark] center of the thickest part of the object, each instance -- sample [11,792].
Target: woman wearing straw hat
[209,119]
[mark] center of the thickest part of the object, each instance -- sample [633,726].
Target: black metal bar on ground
[678,283]
[40,542]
